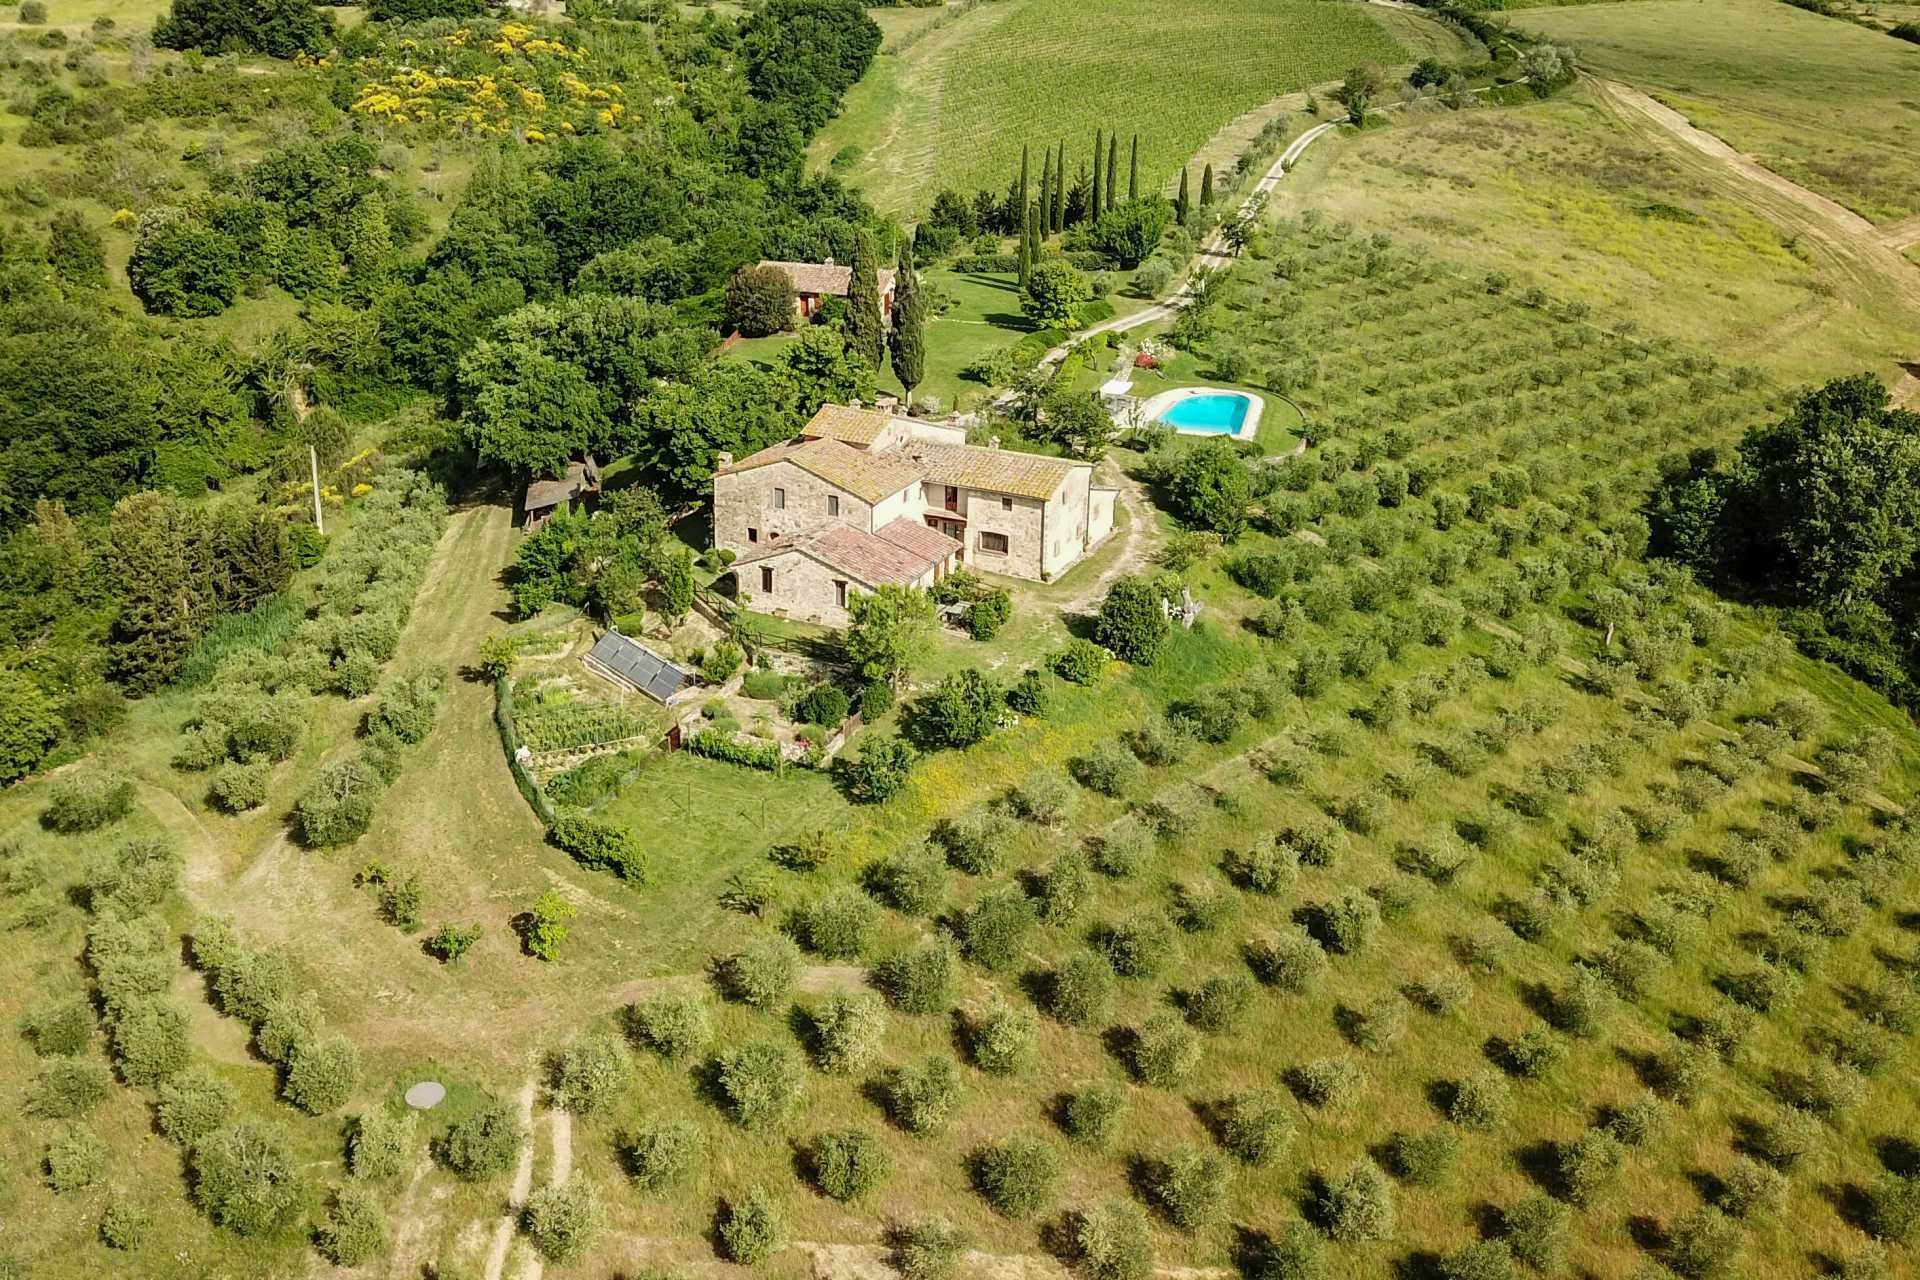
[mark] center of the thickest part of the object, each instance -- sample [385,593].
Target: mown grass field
[956,107]
[1564,195]
[1829,104]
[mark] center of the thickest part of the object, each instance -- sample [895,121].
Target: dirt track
[1867,255]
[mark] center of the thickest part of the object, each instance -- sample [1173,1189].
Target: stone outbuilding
[544,497]
[811,576]
[815,282]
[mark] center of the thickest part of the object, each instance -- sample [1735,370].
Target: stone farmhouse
[815,282]
[862,498]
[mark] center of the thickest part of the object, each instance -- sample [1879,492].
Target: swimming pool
[1205,412]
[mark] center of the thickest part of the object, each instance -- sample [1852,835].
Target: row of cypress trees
[1047,214]
[1105,197]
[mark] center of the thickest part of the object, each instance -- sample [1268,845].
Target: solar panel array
[642,668]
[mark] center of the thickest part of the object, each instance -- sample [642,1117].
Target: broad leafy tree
[888,631]
[1210,489]
[760,301]
[1054,293]
[733,407]
[278,28]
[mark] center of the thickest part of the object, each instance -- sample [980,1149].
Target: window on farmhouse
[1006,504]
[840,593]
[766,577]
[833,504]
[753,535]
[779,499]
[994,542]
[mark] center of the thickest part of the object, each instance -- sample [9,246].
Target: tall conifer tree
[1113,170]
[1020,209]
[1133,170]
[1206,186]
[909,323]
[1099,182]
[866,330]
[1046,194]
[1026,246]
[1060,188]
[1180,204]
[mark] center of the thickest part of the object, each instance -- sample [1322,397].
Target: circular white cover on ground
[426,1095]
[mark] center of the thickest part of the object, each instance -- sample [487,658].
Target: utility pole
[313,469]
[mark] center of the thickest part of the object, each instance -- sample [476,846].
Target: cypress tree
[1046,194]
[866,330]
[1060,188]
[1133,171]
[1099,185]
[909,323]
[1180,203]
[1020,209]
[1113,170]
[1206,186]
[1026,246]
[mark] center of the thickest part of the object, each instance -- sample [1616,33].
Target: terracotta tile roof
[854,426]
[826,279]
[900,553]
[920,538]
[1024,475]
[867,476]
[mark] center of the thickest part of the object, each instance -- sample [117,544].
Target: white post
[313,468]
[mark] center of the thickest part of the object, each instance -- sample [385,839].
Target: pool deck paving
[1153,409]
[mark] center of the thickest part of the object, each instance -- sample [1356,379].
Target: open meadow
[1588,201]
[1824,102]
[955,106]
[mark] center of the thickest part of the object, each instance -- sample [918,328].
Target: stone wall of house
[744,501]
[1018,518]
[1067,523]
[1100,504]
[803,588]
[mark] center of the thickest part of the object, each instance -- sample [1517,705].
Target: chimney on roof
[829,261]
[722,460]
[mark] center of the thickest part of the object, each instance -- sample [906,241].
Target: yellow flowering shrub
[481,81]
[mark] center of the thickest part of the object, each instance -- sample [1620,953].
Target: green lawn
[958,105]
[1827,103]
[976,314]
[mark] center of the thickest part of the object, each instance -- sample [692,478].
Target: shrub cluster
[1019,1176]
[318,1072]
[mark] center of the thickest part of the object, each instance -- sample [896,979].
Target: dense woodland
[575,284]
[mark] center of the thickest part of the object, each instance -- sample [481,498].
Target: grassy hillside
[954,101]
[1828,104]
[1570,195]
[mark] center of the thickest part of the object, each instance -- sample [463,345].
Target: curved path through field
[1869,256]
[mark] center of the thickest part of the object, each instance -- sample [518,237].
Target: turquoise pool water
[1217,413]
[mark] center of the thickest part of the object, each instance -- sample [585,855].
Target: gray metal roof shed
[615,656]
